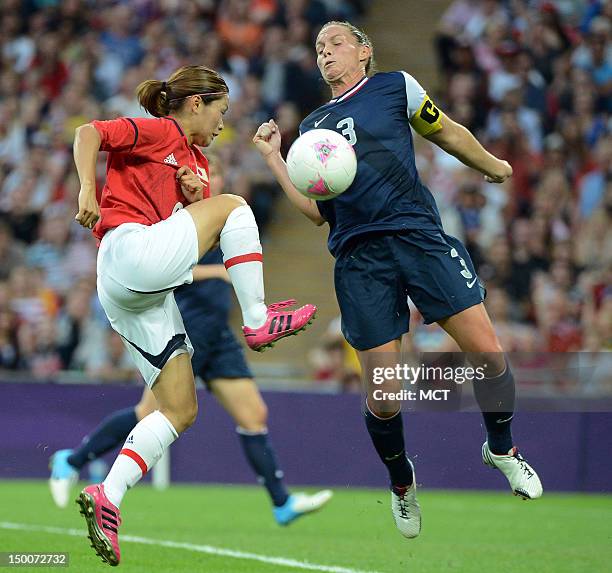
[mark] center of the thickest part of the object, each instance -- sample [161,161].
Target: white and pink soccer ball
[321,164]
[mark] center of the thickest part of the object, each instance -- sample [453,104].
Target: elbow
[314,215]
[87,132]
[84,129]
[315,218]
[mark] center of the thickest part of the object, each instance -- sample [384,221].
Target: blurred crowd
[532,79]
[66,62]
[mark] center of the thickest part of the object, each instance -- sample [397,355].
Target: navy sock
[496,396]
[261,458]
[111,432]
[388,439]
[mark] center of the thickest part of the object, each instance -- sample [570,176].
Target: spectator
[113,364]
[50,251]
[79,334]
[239,29]
[12,252]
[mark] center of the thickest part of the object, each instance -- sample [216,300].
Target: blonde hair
[362,39]
[161,98]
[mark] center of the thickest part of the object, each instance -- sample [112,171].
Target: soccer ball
[321,164]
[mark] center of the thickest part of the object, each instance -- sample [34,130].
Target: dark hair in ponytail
[162,98]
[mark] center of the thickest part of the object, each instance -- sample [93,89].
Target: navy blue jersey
[205,302]
[387,194]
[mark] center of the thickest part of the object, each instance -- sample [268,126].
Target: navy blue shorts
[217,354]
[376,274]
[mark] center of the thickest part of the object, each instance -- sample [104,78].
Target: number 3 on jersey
[347,125]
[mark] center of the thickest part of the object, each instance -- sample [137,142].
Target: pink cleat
[103,521]
[279,324]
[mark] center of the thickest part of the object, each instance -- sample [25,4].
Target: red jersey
[144,156]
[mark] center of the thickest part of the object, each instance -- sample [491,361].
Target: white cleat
[523,479]
[405,508]
[63,477]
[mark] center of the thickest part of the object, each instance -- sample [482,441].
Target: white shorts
[139,266]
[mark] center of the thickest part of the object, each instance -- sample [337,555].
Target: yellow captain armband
[427,118]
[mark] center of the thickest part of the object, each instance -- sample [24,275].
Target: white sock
[141,451]
[244,262]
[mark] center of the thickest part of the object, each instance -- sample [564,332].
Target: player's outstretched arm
[268,141]
[86,146]
[457,140]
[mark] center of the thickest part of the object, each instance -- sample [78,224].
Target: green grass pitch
[462,532]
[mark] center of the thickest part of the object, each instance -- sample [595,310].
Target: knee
[255,420]
[189,415]
[235,200]
[383,408]
[490,357]
[232,202]
[182,418]
[260,415]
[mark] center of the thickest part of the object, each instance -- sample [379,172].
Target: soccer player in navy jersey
[219,361]
[387,238]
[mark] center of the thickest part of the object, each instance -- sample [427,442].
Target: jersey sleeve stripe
[135,132]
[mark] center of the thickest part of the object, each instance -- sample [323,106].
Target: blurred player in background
[149,244]
[388,241]
[219,361]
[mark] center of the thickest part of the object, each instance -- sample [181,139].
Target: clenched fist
[89,210]
[503,172]
[191,185]
[268,138]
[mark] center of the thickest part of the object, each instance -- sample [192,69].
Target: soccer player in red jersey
[155,221]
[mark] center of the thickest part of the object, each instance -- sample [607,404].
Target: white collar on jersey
[350,92]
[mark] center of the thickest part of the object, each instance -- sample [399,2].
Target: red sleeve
[129,134]
[117,134]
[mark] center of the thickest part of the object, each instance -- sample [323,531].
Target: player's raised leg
[243,402]
[385,425]
[227,219]
[495,394]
